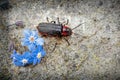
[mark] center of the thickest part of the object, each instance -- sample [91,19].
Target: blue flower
[35,46]
[38,54]
[21,59]
[31,39]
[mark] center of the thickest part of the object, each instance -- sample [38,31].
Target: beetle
[55,29]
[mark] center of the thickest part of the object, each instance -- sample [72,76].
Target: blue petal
[39,60]
[31,47]
[30,60]
[25,42]
[40,41]
[18,57]
[43,52]
[26,33]
[35,61]
[34,33]
[39,48]
[34,54]
[36,50]
[26,54]
[17,63]
[14,51]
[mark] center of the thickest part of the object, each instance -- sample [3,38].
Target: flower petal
[35,61]
[26,54]
[30,60]
[34,33]
[35,47]
[25,42]
[39,60]
[43,52]
[40,41]
[17,63]
[26,33]
[39,47]
[31,47]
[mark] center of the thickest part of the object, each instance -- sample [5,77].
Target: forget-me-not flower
[31,39]
[21,59]
[35,46]
[37,54]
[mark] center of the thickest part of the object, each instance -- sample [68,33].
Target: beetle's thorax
[66,31]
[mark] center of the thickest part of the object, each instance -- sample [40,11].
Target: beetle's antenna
[77,26]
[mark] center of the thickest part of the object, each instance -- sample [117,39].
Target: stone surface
[94,51]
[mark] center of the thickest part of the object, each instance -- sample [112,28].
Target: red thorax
[66,31]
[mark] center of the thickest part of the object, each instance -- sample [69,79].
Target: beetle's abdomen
[50,29]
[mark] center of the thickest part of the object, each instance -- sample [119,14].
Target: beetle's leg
[53,48]
[53,22]
[65,23]
[58,20]
[47,19]
[66,41]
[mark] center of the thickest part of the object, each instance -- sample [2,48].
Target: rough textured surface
[94,53]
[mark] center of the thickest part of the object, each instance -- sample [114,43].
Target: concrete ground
[94,51]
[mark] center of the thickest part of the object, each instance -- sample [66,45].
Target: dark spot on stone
[108,27]
[108,38]
[66,59]
[112,6]
[76,56]
[118,27]
[118,1]
[57,1]
[74,66]
[118,78]
[95,20]
[100,3]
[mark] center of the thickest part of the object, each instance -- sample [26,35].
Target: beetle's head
[66,31]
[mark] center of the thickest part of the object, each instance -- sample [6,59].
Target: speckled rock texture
[94,51]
